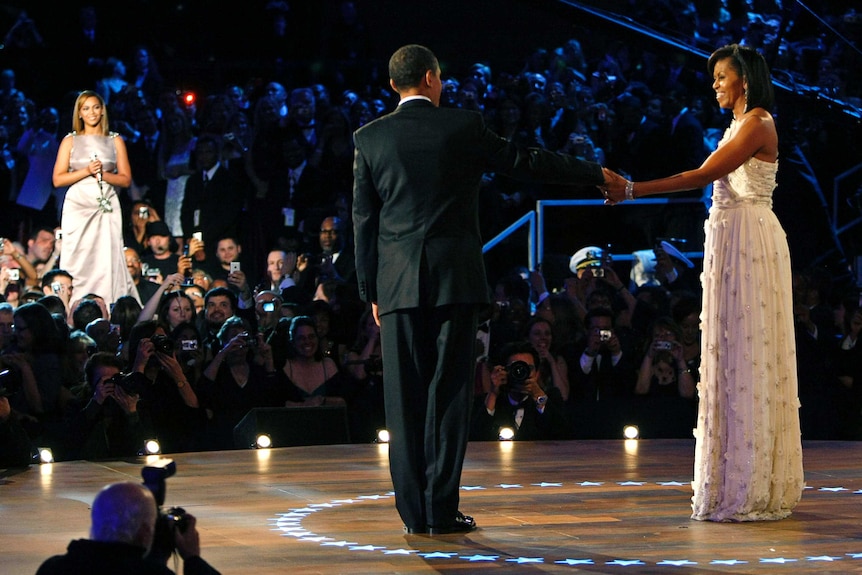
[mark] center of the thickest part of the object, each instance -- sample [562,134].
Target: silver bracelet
[630,190]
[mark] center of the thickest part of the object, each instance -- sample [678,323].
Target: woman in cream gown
[748,448]
[94,164]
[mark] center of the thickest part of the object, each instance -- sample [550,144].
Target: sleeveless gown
[92,223]
[748,451]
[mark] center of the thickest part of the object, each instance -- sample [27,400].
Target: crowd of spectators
[238,237]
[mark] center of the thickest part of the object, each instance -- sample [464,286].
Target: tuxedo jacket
[220,203]
[415,202]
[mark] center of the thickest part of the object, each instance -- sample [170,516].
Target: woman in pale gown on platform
[748,447]
[94,164]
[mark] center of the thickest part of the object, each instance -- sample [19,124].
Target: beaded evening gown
[92,223]
[748,454]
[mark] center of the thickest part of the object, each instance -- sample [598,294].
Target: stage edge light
[631,432]
[506,434]
[152,447]
[45,455]
[382,436]
[262,441]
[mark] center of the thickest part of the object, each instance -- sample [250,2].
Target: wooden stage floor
[543,507]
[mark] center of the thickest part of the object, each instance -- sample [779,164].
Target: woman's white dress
[748,454]
[92,223]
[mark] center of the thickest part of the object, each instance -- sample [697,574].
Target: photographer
[240,377]
[663,371]
[602,368]
[123,526]
[103,420]
[167,395]
[517,400]
[15,448]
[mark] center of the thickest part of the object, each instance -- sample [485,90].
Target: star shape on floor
[437,555]
[625,562]
[477,557]
[575,562]
[521,560]
[728,562]
[824,558]
[780,560]
[676,563]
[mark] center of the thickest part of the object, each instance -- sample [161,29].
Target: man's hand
[188,541]
[614,188]
[375,312]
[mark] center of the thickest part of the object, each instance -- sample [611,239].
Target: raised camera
[662,345]
[519,371]
[605,334]
[10,383]
[177,517]
[268,306]
[189,345]
[130,385]
[250,339]
[14,274]
[163,344]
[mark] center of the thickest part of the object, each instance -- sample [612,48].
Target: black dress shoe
[461,524]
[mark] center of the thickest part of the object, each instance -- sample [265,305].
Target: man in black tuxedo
[419,263]
[214,197]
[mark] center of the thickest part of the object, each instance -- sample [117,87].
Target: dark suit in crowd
[213,205]
[419,261]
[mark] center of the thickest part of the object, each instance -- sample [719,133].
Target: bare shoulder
[757,119]
[758,126]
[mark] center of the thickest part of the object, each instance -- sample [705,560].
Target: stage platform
[543,507]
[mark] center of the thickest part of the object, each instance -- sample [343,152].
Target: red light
[188,98]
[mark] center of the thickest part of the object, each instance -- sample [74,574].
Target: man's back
[423,163]
[86,557]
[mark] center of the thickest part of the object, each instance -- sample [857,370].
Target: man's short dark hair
[53,303]
[408,65]
[101,359]
[86,311]
[36,231]
[515,348]
[49,276]
[598,312]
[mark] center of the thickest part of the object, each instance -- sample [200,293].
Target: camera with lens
[168,520]
[10,383]
[177,517]
[249,338]
[130,385]
[518,372]
[605,334]
[163,344]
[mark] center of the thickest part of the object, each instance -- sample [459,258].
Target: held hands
[614,188]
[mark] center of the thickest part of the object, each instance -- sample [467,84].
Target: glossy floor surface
[555,507]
